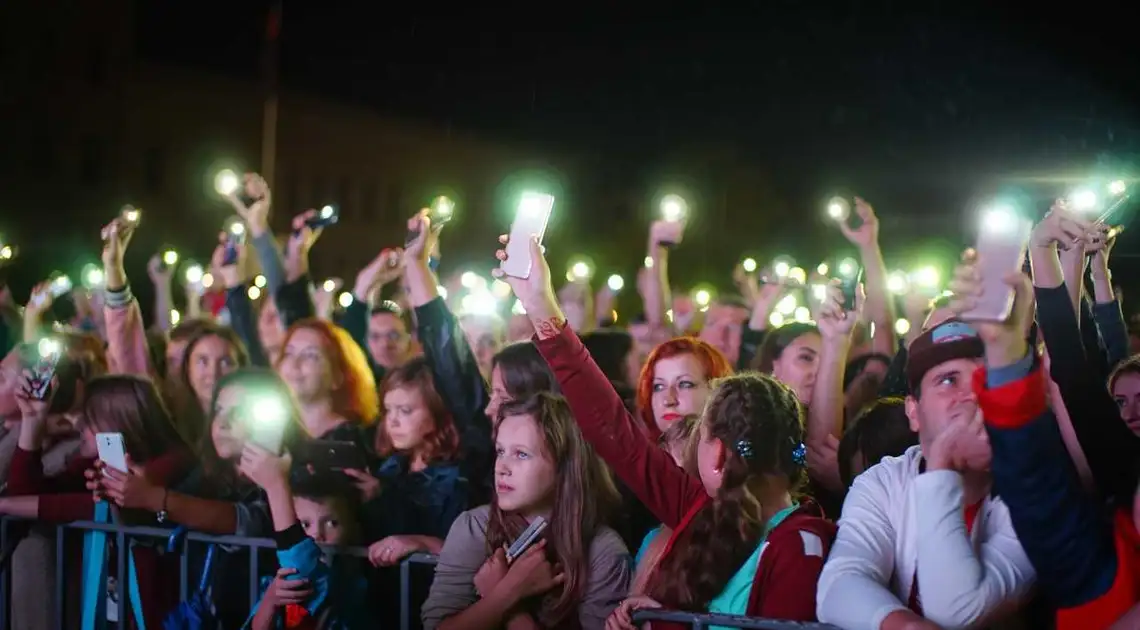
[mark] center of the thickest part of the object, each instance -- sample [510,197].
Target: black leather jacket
[461,385]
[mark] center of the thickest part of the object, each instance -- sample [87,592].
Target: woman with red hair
[675,382]
[331,379]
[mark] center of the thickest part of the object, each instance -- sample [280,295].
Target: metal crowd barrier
[704,621]
[123,534]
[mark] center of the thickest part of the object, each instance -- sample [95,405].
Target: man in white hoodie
[921,543]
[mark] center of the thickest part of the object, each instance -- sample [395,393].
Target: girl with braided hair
[741,544]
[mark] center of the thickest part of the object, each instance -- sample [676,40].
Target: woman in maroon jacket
[740,545]
[124,404]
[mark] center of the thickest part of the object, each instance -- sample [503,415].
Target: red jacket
[785,583]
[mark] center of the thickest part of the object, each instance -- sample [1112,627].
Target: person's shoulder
[607,542]
[473,521]
[892,473]
[805,532]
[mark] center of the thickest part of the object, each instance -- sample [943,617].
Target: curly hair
[442,443]
[584,492]
[714,364]
[356,398]
[760,423]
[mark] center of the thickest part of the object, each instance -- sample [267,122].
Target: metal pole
[270,106]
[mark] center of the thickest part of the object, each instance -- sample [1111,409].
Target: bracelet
[162,514]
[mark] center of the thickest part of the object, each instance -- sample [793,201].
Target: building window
[92,161]
[154,169]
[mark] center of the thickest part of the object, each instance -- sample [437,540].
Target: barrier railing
[703,621]
[123,534]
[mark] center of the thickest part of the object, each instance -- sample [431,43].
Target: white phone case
[998,255]
[530,220]
[112,450]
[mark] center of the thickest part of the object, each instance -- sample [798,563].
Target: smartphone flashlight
[226,182]
[838,209]
[194,274]
[702,297]
[267,410]
[442,209]
[749,265]
[615,283]
[1083,200]
[48,347]
[92,276]
[169,258]
[1003,219]
[130,214]
[848,267]
[897,283]
[344,299]
[797,275]
[580,271]
[329,285]
[1117,187]
[782,266]
[326,216]
[674,208]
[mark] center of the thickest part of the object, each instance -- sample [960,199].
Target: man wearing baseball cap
[922,543]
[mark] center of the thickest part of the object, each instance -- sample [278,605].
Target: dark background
[924,108]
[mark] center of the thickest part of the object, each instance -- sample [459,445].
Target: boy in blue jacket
[311,589]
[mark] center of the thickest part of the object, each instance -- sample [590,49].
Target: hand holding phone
[531,218]
[112,450]
[849,285]
[1000,250]
[529,536]
[43,367]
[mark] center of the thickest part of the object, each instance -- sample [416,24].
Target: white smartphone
[527,538]
[530,220]
[1001,249]
[112,450]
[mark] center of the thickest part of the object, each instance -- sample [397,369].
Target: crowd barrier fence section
[124,534]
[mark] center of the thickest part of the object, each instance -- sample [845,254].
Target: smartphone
[527,538]
[326,216]
[60,286]
[531,217]
[43,367]
[235,237]
[849,285]
[335,456]
[1001,250]
[268,433]
[438,216]
[112,450]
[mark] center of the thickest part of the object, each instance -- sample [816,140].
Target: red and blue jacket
[1086,556]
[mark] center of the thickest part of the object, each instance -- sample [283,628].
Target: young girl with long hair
[122,404]
[740,543]
[420,488]
[579,570]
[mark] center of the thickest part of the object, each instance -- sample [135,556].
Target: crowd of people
[837,467]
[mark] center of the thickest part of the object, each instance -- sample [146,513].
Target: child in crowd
[312,589]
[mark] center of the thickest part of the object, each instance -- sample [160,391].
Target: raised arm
[649,472]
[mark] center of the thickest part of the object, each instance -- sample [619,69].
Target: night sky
[923,111]
[915,108]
